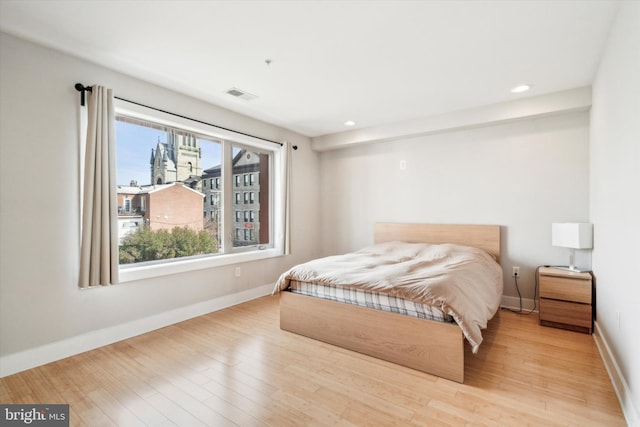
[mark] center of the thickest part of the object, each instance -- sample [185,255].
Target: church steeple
[177,160]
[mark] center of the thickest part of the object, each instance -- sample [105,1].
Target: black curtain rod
[82,89]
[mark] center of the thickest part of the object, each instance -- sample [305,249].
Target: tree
[148,245]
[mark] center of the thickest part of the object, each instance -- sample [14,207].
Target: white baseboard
[617,379]
[513,303]
[17,362]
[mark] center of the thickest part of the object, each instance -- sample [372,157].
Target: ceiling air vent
[238,93]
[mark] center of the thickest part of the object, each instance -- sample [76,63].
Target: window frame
[131,272]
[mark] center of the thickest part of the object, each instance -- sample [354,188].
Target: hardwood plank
[236,367]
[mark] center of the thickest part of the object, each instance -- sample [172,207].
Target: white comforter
[464,282]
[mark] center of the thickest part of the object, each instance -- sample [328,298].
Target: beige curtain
[286,174]
[99,241]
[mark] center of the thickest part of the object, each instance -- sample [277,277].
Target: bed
[432,346]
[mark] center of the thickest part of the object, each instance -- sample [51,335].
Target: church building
[177,160]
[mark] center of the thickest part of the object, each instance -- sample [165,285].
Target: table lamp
[572,235]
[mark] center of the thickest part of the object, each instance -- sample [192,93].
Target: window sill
[131,273]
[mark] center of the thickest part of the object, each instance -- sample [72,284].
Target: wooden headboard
[485,237]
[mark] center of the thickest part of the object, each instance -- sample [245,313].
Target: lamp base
[571,268]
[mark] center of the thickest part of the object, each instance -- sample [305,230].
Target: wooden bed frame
[433,347]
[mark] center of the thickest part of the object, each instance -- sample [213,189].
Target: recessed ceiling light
[521,88]
[239,93]
[349,123]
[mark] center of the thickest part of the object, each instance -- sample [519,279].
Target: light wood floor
[235,367]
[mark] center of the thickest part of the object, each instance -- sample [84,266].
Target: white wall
[522,175]
[615,200]
[40,302]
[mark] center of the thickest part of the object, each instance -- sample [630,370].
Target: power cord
[535,296]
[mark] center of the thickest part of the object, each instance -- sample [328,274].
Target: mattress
[370,299]
[465,282]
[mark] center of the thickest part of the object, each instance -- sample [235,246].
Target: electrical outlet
[515,272]
[238,271]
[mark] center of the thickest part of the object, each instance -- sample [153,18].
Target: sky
[133,152]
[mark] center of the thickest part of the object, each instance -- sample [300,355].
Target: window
[183,220]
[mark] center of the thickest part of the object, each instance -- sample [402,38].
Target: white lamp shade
[576,235]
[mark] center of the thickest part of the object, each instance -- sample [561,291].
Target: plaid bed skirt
[370,300]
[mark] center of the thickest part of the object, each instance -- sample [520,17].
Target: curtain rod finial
[82,89]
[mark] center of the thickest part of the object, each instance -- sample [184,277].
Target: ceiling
[315,64]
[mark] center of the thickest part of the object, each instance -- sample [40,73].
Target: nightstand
[566,299]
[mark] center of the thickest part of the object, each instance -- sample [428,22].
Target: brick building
[161,207]
[250,181]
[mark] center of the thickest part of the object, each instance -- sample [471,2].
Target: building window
[173,200]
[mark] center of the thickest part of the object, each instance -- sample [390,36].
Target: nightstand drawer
[565,312]
[561,288]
